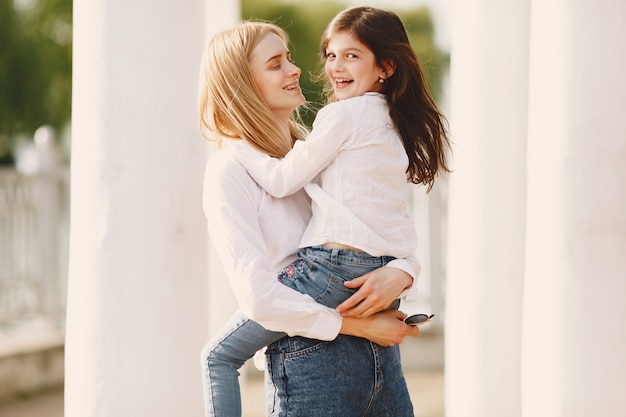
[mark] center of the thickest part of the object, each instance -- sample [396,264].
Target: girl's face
[351,67]
[276,76]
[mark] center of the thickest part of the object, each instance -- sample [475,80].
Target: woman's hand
[377,289]
[386,328]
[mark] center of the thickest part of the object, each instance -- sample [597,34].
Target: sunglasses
[415,319]
[418,319]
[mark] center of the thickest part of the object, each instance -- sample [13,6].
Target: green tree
[35,68]
[421,30]
[306,21]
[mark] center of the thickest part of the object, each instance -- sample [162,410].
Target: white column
[137,302]
[574,350]
[222,303]
[489,72]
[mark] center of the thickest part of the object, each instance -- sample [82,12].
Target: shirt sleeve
[230,203]
[282,177]
[411,266]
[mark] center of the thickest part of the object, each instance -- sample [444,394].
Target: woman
[249,90]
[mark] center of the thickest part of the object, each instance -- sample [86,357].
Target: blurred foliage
[35,68]
[305,22]
[36,56]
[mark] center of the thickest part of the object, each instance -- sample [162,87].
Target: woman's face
[351,67]
[276,76]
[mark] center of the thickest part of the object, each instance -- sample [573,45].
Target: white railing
[34,215]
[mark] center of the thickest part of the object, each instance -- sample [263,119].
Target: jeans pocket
[325,378]
[335,293]
[294,346]
[306,278]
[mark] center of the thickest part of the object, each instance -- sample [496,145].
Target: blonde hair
[229,101]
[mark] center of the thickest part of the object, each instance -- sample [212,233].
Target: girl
[249,89]
[381,130]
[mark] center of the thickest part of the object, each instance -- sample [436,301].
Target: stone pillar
[489,73]
[222,303]
[137,294]
[574,350]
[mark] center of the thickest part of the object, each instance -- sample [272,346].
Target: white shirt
[359,197]
[256,236]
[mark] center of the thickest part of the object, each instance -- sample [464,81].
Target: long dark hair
[411,107]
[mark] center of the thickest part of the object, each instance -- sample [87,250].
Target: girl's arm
[283,177]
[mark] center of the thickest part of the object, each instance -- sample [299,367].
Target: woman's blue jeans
[348,377]
[304,377]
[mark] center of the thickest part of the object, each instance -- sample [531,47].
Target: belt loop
[334,254]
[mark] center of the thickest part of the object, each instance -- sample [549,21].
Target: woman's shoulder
[224,171]
[222,161]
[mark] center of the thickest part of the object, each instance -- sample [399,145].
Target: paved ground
[426,389]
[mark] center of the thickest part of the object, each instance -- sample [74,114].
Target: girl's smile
[351,66]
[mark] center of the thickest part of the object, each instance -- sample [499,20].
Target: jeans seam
[378,380]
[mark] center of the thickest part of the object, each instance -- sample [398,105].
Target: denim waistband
[334,254]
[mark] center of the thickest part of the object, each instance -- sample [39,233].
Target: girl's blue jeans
[304,377]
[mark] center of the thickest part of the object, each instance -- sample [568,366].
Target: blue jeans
[348,377]
[319,272]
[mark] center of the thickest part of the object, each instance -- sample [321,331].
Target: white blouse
[353,165]
[256,236]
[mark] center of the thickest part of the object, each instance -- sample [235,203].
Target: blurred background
[35,143]
[522,247]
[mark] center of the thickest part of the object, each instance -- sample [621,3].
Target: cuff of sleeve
[412,267]
[326,327]
[410,293]
[314,320]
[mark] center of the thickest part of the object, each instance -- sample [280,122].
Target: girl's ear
[388,67]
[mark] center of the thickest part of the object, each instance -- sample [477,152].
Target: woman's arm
[231,203]
[386,328]
[376,290]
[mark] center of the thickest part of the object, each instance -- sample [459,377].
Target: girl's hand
[386,328]
[377,289]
